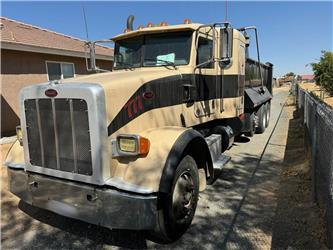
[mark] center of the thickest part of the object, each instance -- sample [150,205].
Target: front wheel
[179,205]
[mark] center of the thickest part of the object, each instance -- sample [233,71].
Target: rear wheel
[261,114]
[268,113]
[251,131]
[179,205]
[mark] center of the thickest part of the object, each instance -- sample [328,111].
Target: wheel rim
[183,196]
[264,120]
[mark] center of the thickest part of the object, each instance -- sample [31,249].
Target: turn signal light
[144,145]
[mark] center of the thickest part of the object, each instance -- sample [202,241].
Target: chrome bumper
[100,206]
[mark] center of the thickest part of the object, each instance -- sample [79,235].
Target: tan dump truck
[132,148]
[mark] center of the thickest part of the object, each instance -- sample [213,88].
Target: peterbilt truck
[132,148]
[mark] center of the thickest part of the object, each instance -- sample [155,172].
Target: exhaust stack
[130,21]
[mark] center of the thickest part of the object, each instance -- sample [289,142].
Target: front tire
[179,205]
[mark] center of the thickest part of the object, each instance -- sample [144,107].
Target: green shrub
[323,72]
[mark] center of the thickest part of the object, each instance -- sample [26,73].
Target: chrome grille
[58,134]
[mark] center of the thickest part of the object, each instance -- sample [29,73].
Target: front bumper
[101,206]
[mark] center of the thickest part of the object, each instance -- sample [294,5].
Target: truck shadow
[298,223]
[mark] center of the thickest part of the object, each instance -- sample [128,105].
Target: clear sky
[291,34]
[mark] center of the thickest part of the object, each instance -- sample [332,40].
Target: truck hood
[119,86]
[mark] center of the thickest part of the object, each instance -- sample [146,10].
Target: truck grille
[58,134]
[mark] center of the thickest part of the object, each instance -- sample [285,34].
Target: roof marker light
[187,21]
[149,25]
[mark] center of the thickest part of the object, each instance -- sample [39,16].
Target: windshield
[153,50]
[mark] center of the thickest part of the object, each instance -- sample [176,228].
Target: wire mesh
[318,121]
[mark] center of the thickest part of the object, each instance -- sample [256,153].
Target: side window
[205,52]
[67,70]
[59,70]
[53,70]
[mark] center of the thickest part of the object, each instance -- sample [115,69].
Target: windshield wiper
[167,63]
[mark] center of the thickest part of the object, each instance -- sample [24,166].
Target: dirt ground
[261,201]
[298,222]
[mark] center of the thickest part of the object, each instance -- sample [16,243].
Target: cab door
[205,76]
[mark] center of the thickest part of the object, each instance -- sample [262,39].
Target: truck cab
[132,148]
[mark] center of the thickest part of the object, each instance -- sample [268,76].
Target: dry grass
[313,88]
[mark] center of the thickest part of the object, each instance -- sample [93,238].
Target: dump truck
[132,148]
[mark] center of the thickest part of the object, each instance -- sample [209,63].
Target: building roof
[15,34]
[307,77]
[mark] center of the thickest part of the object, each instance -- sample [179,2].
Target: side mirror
[226,39]
[92,56]
[224,62]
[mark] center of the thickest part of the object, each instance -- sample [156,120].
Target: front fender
[146,172]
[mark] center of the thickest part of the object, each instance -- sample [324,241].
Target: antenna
[90,45]
[226,10]
[85,21]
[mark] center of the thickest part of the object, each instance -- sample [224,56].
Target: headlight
[130,145]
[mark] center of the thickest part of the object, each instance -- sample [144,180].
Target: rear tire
[268,113]
[261,113]
[179,205]
[250,133]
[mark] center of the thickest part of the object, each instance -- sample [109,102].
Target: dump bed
[254,94]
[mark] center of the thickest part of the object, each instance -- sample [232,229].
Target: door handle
[187,92]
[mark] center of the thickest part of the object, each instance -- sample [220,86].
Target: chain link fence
[318,122]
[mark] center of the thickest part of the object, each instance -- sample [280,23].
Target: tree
[323,71]
[290,74]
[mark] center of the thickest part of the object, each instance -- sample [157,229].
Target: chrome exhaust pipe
[130,21]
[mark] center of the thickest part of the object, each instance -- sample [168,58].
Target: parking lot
[237,211]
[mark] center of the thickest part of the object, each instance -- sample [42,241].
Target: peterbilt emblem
[51,93]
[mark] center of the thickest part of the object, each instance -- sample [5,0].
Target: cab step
[214,143]
[221,162]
